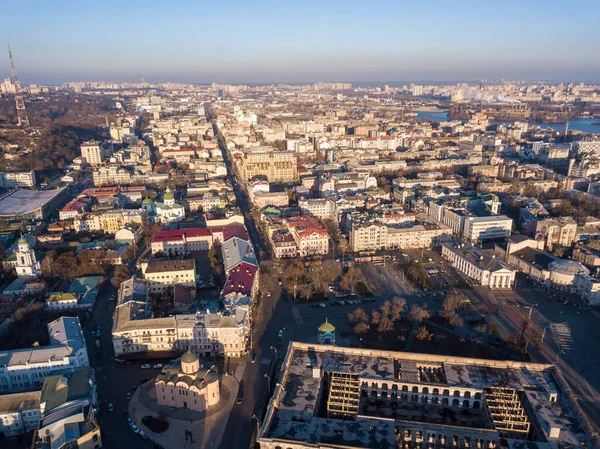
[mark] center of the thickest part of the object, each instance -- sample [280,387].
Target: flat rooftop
[26,201]
[334,396]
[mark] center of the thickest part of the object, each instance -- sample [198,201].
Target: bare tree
[418,313]
[386,308]
[375,317]
[423,334]
[358,315]
[361,328]
[330,270]
[398,305]
[385,325]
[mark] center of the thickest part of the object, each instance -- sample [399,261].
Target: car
[566,302]
[341,303]
[143,435]
[323,305]
[280,283]
[280,333]
[110,407]
[158,365]
[93,333]
[268,294]
[128,395]
[145,366]
[129,421]
[239,399]
[134,428]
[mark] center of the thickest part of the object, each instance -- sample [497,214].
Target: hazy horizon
[270,42]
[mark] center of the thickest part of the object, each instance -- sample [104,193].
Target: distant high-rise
[22,118]
[417,91]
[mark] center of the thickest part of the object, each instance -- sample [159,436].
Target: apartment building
[9,180]
[25,369]
[479,265]
[478,229]
[92,152]
[205,334]
[277,166]
[19,413]
[111,175]
[180,242]
[322,208]
[560,231]
[110,221]
[311,238]
[164,274]
[372,236]
[283,244]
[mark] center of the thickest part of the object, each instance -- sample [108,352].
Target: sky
[300,41]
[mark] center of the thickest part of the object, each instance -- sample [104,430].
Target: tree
[375,317]
[423,334]
[349,278]
[386,308]
[361,328]
[306,290]
[398,305]
[418,313]
[358,315]
[120,275]
[385,325]
[331,270]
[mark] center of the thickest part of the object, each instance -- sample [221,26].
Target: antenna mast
[23,121]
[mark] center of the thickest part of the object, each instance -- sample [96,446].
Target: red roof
[101,191]
[240,279]
[178,234]
[234,230]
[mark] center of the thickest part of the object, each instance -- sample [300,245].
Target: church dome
[147,201]
[190,363]
[22,241]
[168,196]
[327,327]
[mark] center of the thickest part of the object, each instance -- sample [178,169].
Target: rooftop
[305,407]
[23,201]
[165,266]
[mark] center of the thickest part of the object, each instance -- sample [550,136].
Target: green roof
[168,196]
[62,297]
[22,241]
[67,387]
[147,201]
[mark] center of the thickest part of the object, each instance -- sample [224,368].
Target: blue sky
[302,41]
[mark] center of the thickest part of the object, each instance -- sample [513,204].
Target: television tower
[21,112]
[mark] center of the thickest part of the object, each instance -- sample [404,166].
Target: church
[26,263]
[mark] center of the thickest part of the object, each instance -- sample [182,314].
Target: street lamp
[257,424]
[268,382]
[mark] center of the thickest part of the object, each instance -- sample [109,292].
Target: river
[579,124]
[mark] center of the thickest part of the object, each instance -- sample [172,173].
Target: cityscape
[235,249]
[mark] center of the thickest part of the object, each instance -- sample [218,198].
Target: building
[21,204]
[556,232]
[588,288]
[9,180]
[372,236]
[183,383]
[479,265]
[66,403]
[331,396]
[493,227]
[180,242]
[311,238]
[92,152]
[326,333]
[168,211]
[26,263]
[206,334]
[283,244]
[111,175]
[322,208]
[164,274]
[19,413]
[236,250]
[276,166]
[26,369]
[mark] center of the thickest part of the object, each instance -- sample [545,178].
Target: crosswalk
[561,334]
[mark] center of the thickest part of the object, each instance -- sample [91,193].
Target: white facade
[27,264]
[482,228]
[93,153]
[26,369]
[17,179]
[479,265]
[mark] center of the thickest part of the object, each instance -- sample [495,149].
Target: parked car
[128,395]
[158,365]
[145,366]
[110,407]
[129,421]
[143,435]
[134,428]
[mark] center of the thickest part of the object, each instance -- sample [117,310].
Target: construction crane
[23,121]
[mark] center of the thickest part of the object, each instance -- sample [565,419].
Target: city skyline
[297,43]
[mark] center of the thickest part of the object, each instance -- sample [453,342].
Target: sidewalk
[207,427]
